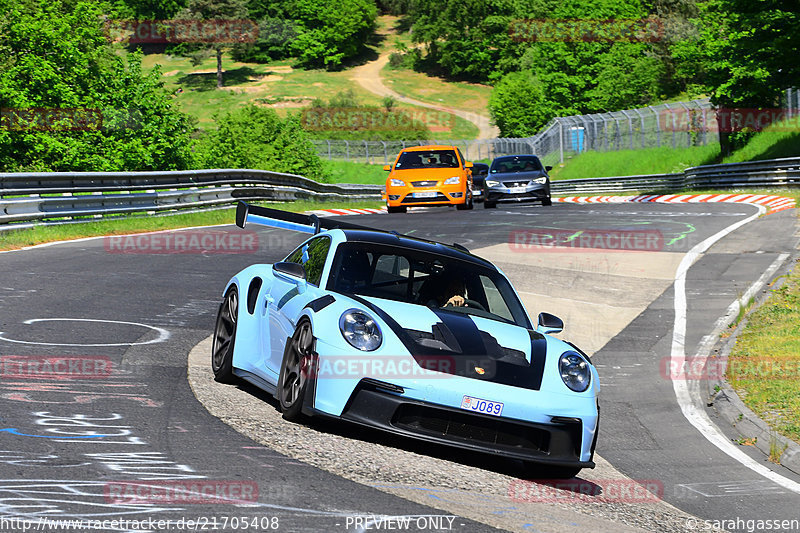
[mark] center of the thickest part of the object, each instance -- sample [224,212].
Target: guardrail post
[688,128]
[630,126]
[641,121]
[658,126]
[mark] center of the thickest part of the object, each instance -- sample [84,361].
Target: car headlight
[575,371]
[360,330]
[539,181]
[492,183]
[396,183]
[452,181]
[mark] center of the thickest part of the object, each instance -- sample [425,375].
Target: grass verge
[662,160]
[15,239]
[350,172]
[765,361]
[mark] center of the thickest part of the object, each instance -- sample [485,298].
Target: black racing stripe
[471,358]
[465,331]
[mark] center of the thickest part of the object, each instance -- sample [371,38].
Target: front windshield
[427,159]
[413,276]
[528,163]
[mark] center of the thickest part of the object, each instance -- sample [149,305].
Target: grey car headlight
[492,183]
[360,330]
[539,181]
[575,371]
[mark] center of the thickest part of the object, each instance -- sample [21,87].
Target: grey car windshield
[516,164]
[419,277]
[427,159]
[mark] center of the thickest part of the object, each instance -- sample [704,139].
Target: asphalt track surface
[64,442]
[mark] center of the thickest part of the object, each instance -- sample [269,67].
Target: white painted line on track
[690,405]
[163,334]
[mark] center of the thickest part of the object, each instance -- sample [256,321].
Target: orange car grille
[427,183]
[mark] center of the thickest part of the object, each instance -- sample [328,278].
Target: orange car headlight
[452,181]
[396,183]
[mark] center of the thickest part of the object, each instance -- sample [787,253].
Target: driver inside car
[443,289]
[455,293]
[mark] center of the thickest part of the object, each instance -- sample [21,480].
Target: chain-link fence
[677,124]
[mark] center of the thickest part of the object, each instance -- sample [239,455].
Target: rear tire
[396,209]
[224,338]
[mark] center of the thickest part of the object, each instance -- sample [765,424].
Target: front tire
[547,201]
[295,370]
[396,209]
[225,337]
[489,205]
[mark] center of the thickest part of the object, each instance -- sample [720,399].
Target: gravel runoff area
[425,473]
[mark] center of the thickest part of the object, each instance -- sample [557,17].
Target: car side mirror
[548,168]
[294,271]
[468,164]
[550,323]
[387,167]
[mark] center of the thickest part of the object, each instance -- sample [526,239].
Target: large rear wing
[275,218]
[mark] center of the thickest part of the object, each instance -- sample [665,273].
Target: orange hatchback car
[429,175]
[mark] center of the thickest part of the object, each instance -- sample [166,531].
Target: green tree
[210,12]
[464,38]
[321,33]
[519,105]
[56,62]
[750,51]
[148,9]
[255,137]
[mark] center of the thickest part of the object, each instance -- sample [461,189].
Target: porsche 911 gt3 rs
[410,336]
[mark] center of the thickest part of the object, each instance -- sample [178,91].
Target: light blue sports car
[410,336]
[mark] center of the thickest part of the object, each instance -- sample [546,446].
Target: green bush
[55,61]
[256,138]
[321,33]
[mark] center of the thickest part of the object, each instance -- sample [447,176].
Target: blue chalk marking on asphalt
[15,431]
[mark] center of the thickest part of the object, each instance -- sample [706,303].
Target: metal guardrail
[769,173]
[648,182]
[59,196]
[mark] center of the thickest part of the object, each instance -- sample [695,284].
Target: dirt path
[369,76]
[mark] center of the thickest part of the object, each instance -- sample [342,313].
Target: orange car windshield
[431,159]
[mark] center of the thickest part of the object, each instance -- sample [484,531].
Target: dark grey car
[517,178]
[479,173]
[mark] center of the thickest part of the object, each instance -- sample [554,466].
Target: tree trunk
[219,68]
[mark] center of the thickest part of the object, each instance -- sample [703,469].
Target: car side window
[460,157]
[312,256]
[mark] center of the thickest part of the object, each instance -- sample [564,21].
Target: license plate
[481,406]
[516,190]
[426,194]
